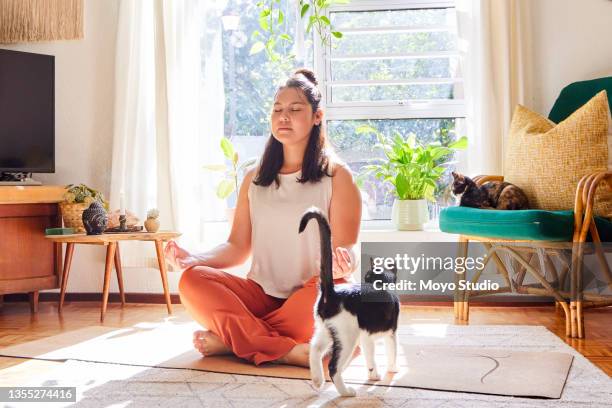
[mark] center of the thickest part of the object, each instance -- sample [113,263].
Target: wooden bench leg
[110,256]
[119,274]
[460,304]
[34,301]
[65,273]
[159,248]
[576,316]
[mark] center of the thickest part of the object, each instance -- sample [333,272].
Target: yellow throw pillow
[547,160]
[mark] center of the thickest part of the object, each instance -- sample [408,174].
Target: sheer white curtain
[168,122]
[494,39]
[135,130]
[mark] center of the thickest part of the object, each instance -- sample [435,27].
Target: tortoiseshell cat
[497,195]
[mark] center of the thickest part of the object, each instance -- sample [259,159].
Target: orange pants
[254,325]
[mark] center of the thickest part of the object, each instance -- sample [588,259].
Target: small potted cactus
[152,221]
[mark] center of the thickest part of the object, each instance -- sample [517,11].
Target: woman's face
[292,117]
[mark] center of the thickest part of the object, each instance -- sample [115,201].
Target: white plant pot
[409,215]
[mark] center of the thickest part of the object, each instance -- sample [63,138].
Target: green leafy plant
[271,34]
[83,194]
[229,184]
[412,169]
[318,20]
[271,19]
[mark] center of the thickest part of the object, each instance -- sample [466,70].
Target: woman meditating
[269,315]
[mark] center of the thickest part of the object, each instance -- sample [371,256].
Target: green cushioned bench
[533,225]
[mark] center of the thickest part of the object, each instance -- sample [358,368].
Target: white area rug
[100,384]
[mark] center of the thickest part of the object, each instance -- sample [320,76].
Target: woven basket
[72,214]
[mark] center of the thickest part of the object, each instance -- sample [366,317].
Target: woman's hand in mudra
[342,265]
[178,257]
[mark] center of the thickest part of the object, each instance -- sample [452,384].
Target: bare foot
[209,344]
[297,356]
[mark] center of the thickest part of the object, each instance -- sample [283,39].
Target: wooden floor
[17,325]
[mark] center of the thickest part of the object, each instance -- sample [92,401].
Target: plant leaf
[439,152]
[325,20]
[411,141]
[215,167]
[460,144]
[305,8]
[264,23]
[248,163]
[401,185]
[257,48]
[365,129]
[228,148]
[337,34]
[225,188]
[311,21]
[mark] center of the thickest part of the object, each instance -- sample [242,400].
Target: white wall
[84,103]
[571,42]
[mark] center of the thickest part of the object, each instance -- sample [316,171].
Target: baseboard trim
[152,298]
[484,301]
[158,298]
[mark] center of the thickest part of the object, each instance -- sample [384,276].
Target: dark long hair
[316,162]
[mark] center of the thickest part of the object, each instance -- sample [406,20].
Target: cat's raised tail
[326,274]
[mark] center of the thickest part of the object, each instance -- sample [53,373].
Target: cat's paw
[393,368]
[348,392]
[317,381]
[373,374]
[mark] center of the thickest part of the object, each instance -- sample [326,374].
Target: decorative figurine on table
[122,218]
[95,219]
[152,222]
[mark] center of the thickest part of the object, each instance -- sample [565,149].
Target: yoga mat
[478,368]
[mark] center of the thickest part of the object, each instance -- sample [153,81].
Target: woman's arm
[232,253]
[344,219]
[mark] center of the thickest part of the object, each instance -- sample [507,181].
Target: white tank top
[283,259]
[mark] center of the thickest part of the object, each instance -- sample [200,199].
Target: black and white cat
[343,318]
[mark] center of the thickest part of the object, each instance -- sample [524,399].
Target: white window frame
[430,109]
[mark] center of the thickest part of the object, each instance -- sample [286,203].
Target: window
[395,69]
[251,80]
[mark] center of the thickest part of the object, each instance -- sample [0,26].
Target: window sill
[379,231]
[371,231]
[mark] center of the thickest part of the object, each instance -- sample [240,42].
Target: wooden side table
[111,241]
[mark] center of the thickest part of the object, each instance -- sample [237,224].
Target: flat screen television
[27,112]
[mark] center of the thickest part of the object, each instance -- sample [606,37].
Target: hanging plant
[271,34]
[271,19]
[318,20]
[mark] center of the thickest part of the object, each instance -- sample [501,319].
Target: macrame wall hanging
[40,20]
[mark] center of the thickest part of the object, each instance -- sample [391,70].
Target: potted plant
[413,170]
[151,224]
[231,174]
[77,199]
